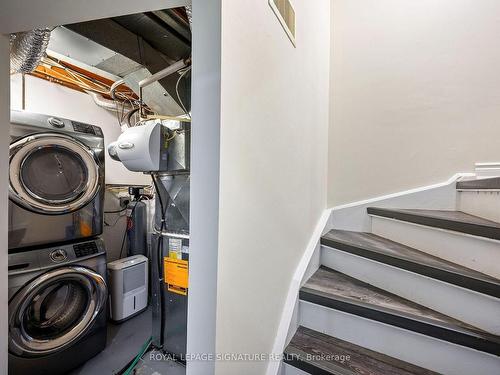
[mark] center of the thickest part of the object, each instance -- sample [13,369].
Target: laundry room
[99,197]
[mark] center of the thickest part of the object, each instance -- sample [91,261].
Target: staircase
[420,294]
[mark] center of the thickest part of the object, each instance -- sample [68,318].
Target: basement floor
[124,342]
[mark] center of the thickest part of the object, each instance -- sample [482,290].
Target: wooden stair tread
[317,353]
[395,254]
[335,290]
[450,220]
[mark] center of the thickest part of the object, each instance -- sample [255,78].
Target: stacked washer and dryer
[57,262]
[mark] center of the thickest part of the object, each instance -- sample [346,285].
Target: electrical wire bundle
[124,102]
[182,75]
[65,73]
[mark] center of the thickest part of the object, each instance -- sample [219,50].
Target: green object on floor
[138,356]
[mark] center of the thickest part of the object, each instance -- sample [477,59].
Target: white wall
[274,124]
[4,150]
[415,93]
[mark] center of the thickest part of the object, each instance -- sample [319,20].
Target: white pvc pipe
[102,102]
[114,86]
[163,73]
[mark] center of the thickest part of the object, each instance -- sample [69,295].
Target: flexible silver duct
[27,49]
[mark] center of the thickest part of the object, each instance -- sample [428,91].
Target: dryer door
[52,173]
[54,310]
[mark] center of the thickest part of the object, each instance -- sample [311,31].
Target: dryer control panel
[86,128]
[59,124]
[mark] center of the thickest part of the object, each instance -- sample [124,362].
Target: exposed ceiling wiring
[101,89]
[182,75]
[83,80]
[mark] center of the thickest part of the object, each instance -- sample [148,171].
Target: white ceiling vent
[286,15]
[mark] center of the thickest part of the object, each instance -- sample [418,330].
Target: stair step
[450,220]
[471,307]
[317,353]
[382,250]
[337,291]
[480,184]
[469,251]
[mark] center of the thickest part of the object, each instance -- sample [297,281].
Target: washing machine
[56,175]
[57,307]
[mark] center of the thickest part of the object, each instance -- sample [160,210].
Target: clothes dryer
[56,173]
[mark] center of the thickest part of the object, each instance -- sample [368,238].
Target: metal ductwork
[145,44]
[27,49]
[130,49]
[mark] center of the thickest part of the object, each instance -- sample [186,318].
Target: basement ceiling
[134,47]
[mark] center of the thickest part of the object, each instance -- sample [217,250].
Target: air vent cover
[286,15]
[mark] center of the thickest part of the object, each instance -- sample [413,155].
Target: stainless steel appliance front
[56,172]
[54,310]
[57,307]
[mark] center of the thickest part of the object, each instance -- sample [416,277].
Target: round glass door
[54,310]
[52,173]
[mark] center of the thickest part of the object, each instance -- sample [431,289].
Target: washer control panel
[85,249]
[48,258]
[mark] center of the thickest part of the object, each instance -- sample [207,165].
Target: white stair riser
[423,351]
[477,253]
[474,308]
[287,369]
[485,204]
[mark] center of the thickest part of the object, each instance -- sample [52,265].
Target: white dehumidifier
[128,285]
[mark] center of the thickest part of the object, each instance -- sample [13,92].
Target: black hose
[162,226]
[159,250]
[129,115]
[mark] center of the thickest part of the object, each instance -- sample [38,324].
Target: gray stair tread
[480,184]
[336,284]
[334,290]
[456,216]
[311,349]
[450,220]
[383,250]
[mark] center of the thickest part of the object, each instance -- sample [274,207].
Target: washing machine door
[55,310]
[52,173]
